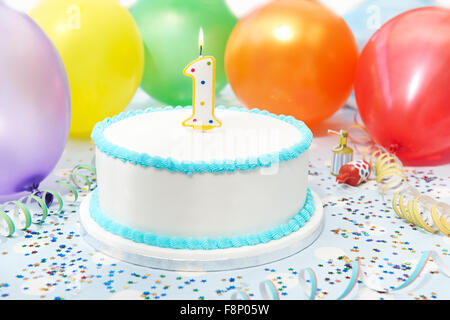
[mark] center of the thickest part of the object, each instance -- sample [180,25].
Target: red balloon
[402,86]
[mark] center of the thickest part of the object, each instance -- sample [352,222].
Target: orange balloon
[293,57]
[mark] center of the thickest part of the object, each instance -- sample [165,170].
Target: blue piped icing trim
[190,167]
[205,243]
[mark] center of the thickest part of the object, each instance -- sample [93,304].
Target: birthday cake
[164,185]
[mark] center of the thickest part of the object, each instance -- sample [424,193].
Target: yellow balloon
[102,51]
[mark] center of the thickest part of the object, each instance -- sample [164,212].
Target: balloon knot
[47,197]
[393,148]
[34,188]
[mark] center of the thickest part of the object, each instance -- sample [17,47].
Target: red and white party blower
[354,173]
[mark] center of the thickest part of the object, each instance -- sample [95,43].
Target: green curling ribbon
[71,188]
[55,196]
[21,212]
[9,224]
[312,287]
[75,174]
[16,208]
[41,204]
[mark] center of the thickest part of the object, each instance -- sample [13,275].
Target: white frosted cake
[164,185]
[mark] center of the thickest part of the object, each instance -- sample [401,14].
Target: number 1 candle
[202,71]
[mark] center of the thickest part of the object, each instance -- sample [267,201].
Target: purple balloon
[35,104]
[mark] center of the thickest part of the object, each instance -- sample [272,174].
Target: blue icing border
[152,239]
[189,167]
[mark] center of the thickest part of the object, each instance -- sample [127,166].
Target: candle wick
[201,51]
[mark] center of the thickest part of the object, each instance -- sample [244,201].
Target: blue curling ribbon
[425,257]
[240,295]
[268,290]
[356,267]
[417,271]
[313,281]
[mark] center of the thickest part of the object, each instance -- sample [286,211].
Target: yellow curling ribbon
[395,167]
[419,218]
[439,221]
[391,173]
[394,206]
[358,126]
[372,156]
[32,209]
[445,223]
[389,185]
[411,214]
[391,177]
[381,160]
[403,209]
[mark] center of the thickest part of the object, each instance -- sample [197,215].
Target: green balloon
[170,30]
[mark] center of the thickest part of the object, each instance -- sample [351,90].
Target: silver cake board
[200,260]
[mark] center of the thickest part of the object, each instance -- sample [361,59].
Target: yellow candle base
[203,128]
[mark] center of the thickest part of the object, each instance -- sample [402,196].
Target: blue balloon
[370,15]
